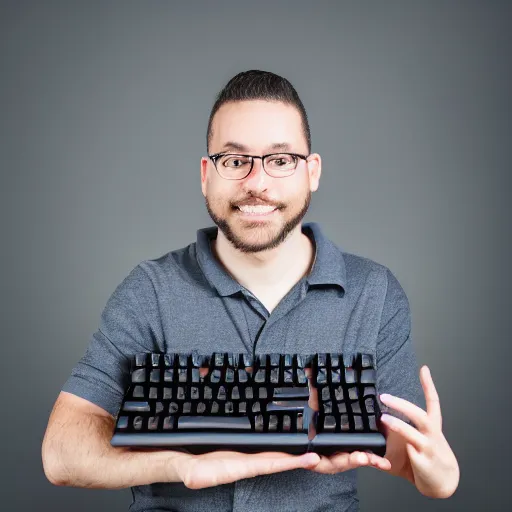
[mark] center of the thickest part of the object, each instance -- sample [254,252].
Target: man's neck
[269,270]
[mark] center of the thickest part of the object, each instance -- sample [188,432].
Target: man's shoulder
[359,267]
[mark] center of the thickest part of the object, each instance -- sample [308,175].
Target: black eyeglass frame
[214,158]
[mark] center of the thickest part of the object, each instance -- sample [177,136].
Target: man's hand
[215,468]
[422,455]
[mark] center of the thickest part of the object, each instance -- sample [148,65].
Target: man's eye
[235,162]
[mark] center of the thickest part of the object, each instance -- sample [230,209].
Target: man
[264,280]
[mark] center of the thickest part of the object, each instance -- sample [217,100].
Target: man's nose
[257,178]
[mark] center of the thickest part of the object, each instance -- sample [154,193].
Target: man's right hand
[223,467]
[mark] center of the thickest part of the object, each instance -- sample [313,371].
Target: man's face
[257,125]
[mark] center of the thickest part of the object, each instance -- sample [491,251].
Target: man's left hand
[421,455]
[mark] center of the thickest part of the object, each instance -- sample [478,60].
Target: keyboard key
[258,423]
[210,422]
[342,407]
[140,360]
[350,376]
[155,360]
[369,405]
[153,423]
[369,390]
[137,422]
[260,376]
[138,392]
[286,393]
[329,423]
[168,422]
[221,395]
[153,393]
[201,407]
[327,407]
[287,423]
[366,361]
[368,376]
[167,393]
[139,375]
[296,405]
[136,406]
[272,423]
[122,422]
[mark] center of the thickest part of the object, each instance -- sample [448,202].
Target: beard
[271,239]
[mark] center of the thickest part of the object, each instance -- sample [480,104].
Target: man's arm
[76,452]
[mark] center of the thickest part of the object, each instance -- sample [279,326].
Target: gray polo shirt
[185,300]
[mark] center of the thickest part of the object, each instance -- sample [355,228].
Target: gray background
[104,109]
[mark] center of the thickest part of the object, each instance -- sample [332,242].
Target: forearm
[78,453]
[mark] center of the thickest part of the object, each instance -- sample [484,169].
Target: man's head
[255,113]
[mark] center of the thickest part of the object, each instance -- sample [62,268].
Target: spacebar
[214,422]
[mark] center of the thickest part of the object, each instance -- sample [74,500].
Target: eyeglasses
[237,167]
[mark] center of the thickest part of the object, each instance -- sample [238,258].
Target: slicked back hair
[259,85]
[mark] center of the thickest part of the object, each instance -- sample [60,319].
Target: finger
[414,413]
[406,431]
[431,397]
[268,463]
[345,461]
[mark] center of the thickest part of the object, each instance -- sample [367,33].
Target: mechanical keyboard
[290,403]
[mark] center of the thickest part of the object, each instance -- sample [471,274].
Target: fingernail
[385,396]
[387,418]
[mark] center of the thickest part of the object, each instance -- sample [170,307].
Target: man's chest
[322,320]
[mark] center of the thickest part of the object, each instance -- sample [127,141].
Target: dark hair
[259,85]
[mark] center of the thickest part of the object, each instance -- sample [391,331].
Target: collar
[328,268]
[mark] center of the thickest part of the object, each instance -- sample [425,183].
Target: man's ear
[204,174]
[314,164]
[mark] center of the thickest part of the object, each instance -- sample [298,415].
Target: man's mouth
[256,209]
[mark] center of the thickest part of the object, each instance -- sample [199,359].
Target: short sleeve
[397,367]
[102,375]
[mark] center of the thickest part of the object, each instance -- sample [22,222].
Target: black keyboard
[270,402]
